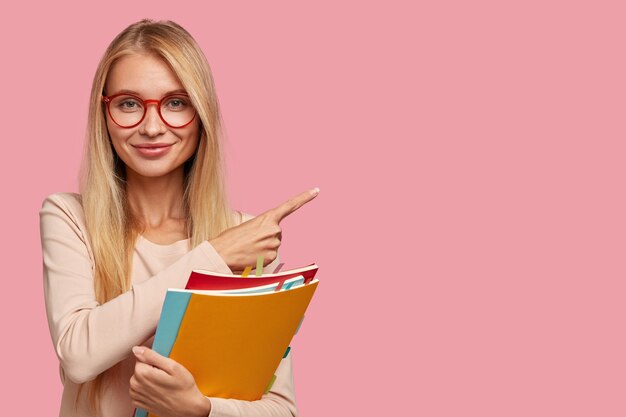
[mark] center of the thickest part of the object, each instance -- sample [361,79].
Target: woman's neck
[155,202]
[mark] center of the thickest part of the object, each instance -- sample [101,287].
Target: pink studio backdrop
[470,229]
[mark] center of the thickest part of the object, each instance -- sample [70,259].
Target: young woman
[152,208]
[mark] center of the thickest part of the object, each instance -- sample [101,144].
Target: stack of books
[232,331]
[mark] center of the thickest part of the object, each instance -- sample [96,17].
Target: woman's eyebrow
[180,90]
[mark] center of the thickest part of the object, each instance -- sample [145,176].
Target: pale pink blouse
[90,338]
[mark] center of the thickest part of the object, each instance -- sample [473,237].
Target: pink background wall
[470,229]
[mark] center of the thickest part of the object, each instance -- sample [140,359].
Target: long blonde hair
[110,223]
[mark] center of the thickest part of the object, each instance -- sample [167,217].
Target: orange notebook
[233,342]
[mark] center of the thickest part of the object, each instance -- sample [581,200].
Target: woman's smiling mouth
[153,149]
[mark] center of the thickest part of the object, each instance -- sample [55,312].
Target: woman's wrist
[220,247]
[217,245]
[203,408]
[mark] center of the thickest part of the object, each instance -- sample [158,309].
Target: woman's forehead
[145,75]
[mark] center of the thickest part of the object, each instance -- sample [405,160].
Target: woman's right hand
[240,246]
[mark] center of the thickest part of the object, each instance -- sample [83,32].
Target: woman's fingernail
[315,191]
[137,350]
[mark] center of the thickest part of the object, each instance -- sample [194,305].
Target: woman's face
[152,148]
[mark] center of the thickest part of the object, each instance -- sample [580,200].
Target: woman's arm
[89,337]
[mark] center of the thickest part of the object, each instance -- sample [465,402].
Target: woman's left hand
[164,387]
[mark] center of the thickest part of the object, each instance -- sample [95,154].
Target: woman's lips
[153,149]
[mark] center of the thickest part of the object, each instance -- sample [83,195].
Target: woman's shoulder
[64,200]
[62,220]
[64,204]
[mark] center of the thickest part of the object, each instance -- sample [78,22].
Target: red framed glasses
[128,110]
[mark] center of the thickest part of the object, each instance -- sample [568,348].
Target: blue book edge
[172,313]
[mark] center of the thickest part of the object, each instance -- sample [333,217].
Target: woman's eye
[176,104]
[127,104]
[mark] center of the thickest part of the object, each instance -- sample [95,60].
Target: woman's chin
[154,171]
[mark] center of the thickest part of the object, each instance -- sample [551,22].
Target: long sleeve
[89,337]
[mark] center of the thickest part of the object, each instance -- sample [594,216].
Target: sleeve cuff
[217,407]
[219,265]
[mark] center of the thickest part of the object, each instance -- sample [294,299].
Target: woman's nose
[152,124]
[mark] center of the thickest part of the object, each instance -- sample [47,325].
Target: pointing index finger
[294,203]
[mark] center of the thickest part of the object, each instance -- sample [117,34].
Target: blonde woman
[152,208]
